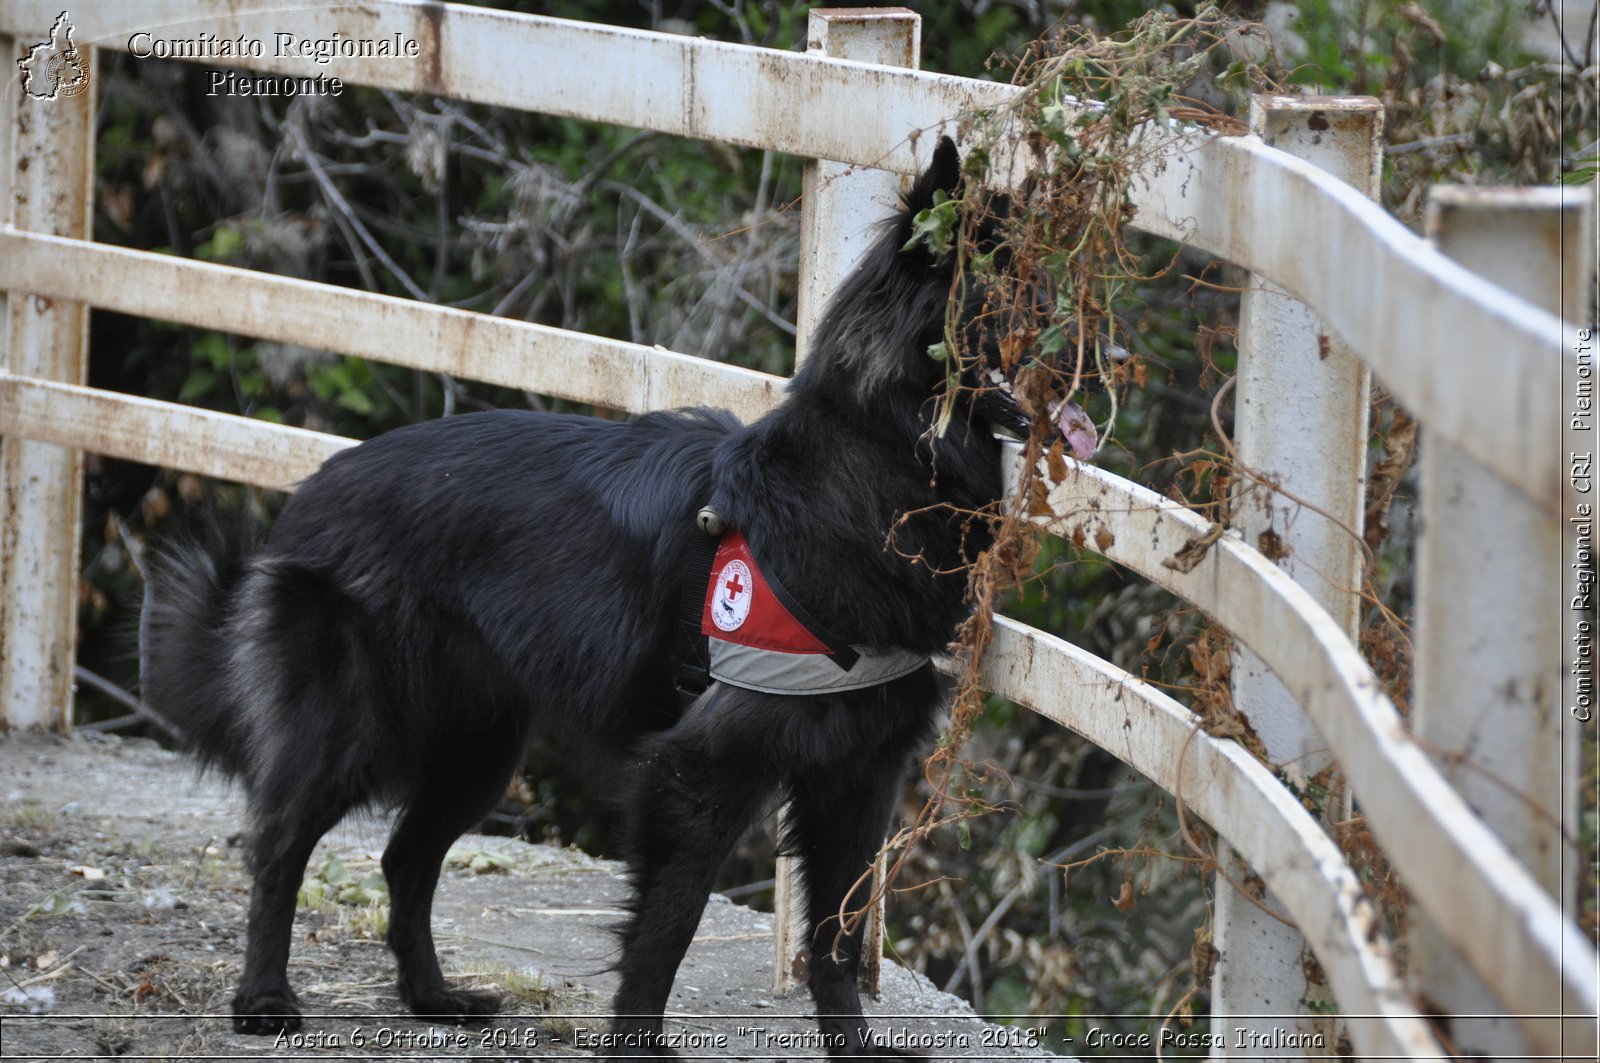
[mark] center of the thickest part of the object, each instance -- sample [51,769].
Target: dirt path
[122,903]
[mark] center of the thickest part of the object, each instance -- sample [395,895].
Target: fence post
[48,188]
[839,208]
[1300,421]
[1493,608]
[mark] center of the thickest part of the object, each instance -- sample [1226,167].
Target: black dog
[430,596]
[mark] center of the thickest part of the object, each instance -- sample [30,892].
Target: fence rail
[1433,332]
[1495,914]
[494,350]
[1223,783]
[1389,294]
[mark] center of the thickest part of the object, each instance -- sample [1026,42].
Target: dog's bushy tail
[185,668]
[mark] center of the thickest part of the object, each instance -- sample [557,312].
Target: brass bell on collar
[711,522]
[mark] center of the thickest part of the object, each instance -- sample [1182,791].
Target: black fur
[429,596]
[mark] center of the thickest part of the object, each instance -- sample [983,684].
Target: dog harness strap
[694,664]
[840,652]
[696,574]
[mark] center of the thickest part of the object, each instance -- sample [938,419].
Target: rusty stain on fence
[431,40]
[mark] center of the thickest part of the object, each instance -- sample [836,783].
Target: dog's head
[916,316]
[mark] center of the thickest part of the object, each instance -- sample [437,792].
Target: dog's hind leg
[455,790]
[282,839]
[697,786]
[303,680]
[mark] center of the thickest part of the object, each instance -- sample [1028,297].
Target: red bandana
[742,608]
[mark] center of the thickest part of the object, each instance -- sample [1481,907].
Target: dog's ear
[942,175]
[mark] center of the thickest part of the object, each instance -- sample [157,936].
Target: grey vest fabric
[773,672]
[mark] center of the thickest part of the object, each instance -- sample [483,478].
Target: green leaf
[1051,340]
[935,227]
[480,861]
[200,382]
[322,385]
[213,347]
[1585,170]
[484,863]
[356,402]
[333,871]
[226,242]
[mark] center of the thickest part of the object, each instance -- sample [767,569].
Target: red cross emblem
[730,605]
[742,608]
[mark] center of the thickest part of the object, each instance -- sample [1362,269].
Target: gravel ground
[122,906]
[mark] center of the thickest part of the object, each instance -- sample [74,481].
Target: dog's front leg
[837,825]
[692,801]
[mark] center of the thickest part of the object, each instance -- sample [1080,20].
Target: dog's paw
[265,1013]
[458,1006]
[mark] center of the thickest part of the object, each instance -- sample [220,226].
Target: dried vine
[1094,111]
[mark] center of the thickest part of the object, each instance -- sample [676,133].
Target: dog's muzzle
[996,405]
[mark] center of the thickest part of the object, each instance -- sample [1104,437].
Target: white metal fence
[1487,368]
